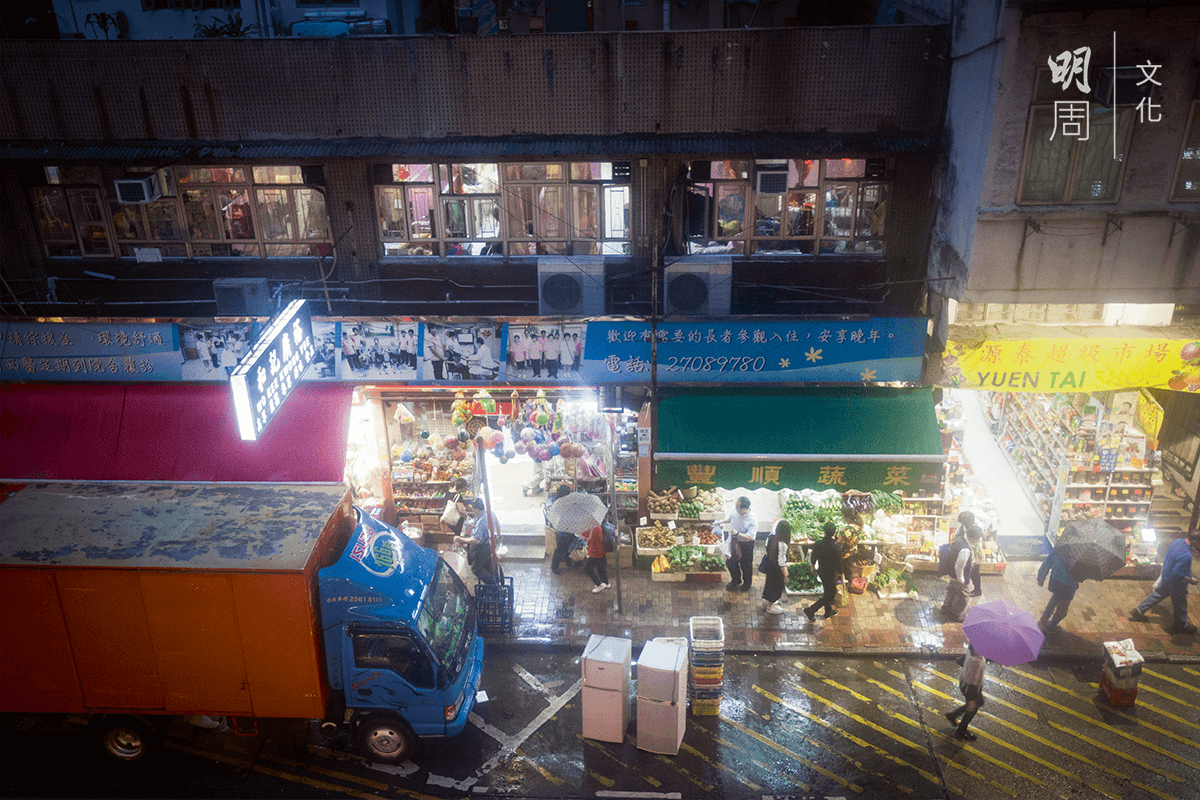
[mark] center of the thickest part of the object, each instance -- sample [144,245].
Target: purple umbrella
[1004,633]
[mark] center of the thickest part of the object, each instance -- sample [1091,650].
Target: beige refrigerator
[606,671]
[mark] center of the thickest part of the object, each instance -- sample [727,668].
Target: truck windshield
[447,621]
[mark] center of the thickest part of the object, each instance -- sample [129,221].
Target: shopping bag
[578,551]
[451,516]
[843,596]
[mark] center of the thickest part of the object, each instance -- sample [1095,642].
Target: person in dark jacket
[562,541]
[1062,590]
[827,559]
[1173,582]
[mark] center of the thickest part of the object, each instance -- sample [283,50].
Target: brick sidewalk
[561,609]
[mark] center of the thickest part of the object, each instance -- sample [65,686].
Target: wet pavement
[562,610]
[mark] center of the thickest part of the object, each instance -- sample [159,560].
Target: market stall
[864,459]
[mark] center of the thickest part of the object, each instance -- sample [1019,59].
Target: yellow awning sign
[1072,364]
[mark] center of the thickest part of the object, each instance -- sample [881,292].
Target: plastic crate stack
[706,670]
[494,605]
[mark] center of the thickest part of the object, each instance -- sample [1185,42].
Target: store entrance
[413,443]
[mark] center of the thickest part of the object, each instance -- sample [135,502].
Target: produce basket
[664,517]
[863,570]
[669,577]
[709,516]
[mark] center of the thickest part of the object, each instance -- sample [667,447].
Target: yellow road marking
[910,743]
[685,773]
[1152,790]
[769,769]
[991,698]
[1114,751]
[1162,677]
[1034,758]
[741,779]
[596,745]
[833,683]
[1122,714]
[795,756]
[1152,707]
[603,779]
[545,773]
[929,776]
[274,773]
[287,762]
[1030,734]
[1098,723]
[1142,685]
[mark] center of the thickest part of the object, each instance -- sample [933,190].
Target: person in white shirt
[566,353]
[970,683]
[739,553]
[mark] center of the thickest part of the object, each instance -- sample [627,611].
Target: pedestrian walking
[774,565]
[596,565]
[1173,582]
[562,541]
[955,604]
[827,560]
[970,683]
[1062,590]
[739,544]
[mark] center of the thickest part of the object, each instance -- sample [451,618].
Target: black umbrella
[1091,548]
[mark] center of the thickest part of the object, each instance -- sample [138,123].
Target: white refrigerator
[606,666]
[661,697]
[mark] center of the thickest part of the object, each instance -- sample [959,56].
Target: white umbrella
[578,512]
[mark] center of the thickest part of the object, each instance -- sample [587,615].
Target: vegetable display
[892,581]
[656,538]
[801,577]
[691,509]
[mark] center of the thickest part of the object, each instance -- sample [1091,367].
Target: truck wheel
[386,739]
[125,738]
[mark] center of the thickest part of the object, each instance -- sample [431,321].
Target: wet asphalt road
[789,726]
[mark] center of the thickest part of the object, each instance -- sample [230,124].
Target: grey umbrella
[1091,549]
[578,512]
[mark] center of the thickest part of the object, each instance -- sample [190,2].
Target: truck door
[389,669]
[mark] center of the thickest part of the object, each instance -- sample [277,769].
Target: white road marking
[509,744]
[531,680]
[655,795]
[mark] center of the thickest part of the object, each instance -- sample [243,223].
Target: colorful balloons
[527,435]
[554,450]
[464,437]
[542,418]
[451,442]
[520,448]
[424,434]
[406,456]
[511,452]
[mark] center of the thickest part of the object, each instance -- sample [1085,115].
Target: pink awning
[167,432]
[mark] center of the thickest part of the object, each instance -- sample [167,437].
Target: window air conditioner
[138,190]
[243,297]
[698,286]
[771,179]
[571,286]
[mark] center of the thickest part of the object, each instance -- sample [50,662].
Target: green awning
[846,438]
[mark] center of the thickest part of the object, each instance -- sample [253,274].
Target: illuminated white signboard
[263,379]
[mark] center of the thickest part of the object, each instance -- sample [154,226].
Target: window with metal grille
[799,206]
[214,212]
[1075,148]
[524,209]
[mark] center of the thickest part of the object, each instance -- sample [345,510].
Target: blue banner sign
[63,351]
[866,351]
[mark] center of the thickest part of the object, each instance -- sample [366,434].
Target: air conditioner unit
[571,286]
[138,190]
[771,178]
[243,297]
[697,286]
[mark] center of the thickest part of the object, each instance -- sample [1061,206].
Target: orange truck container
[130,602]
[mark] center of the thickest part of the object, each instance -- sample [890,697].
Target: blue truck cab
[400,641]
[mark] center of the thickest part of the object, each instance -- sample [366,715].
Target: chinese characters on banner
[1082,365]
[845,352]
[1069,70]
[89,352]
[863,475]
